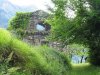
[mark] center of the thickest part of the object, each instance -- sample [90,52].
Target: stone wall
[34,36]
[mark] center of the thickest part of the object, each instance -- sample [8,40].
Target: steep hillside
[19,58]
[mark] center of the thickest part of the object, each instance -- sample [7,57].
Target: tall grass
[32,60]
[19,58]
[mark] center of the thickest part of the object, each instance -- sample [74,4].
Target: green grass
[35,60]
[38,60]
[84,69]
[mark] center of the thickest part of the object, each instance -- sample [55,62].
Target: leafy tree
[77,50]
[58,21]
[83,29]
[87,28]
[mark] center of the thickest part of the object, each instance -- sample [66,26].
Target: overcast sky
[41,4]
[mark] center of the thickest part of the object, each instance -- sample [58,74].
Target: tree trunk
[82,58]
[85,59]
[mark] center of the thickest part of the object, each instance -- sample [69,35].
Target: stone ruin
[35,36]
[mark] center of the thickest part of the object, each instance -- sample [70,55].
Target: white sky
[41,4]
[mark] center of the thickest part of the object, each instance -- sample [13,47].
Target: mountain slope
[7,10]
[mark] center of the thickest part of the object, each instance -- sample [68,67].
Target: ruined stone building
[36,35]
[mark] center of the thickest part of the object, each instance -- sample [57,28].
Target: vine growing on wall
[19,23]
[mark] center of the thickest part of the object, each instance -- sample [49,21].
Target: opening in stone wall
[40,27]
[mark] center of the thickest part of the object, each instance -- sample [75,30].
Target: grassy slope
[37,60]
[40,60]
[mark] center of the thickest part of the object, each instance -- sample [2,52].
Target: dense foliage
[20,22]
[82,29]
[58,22]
